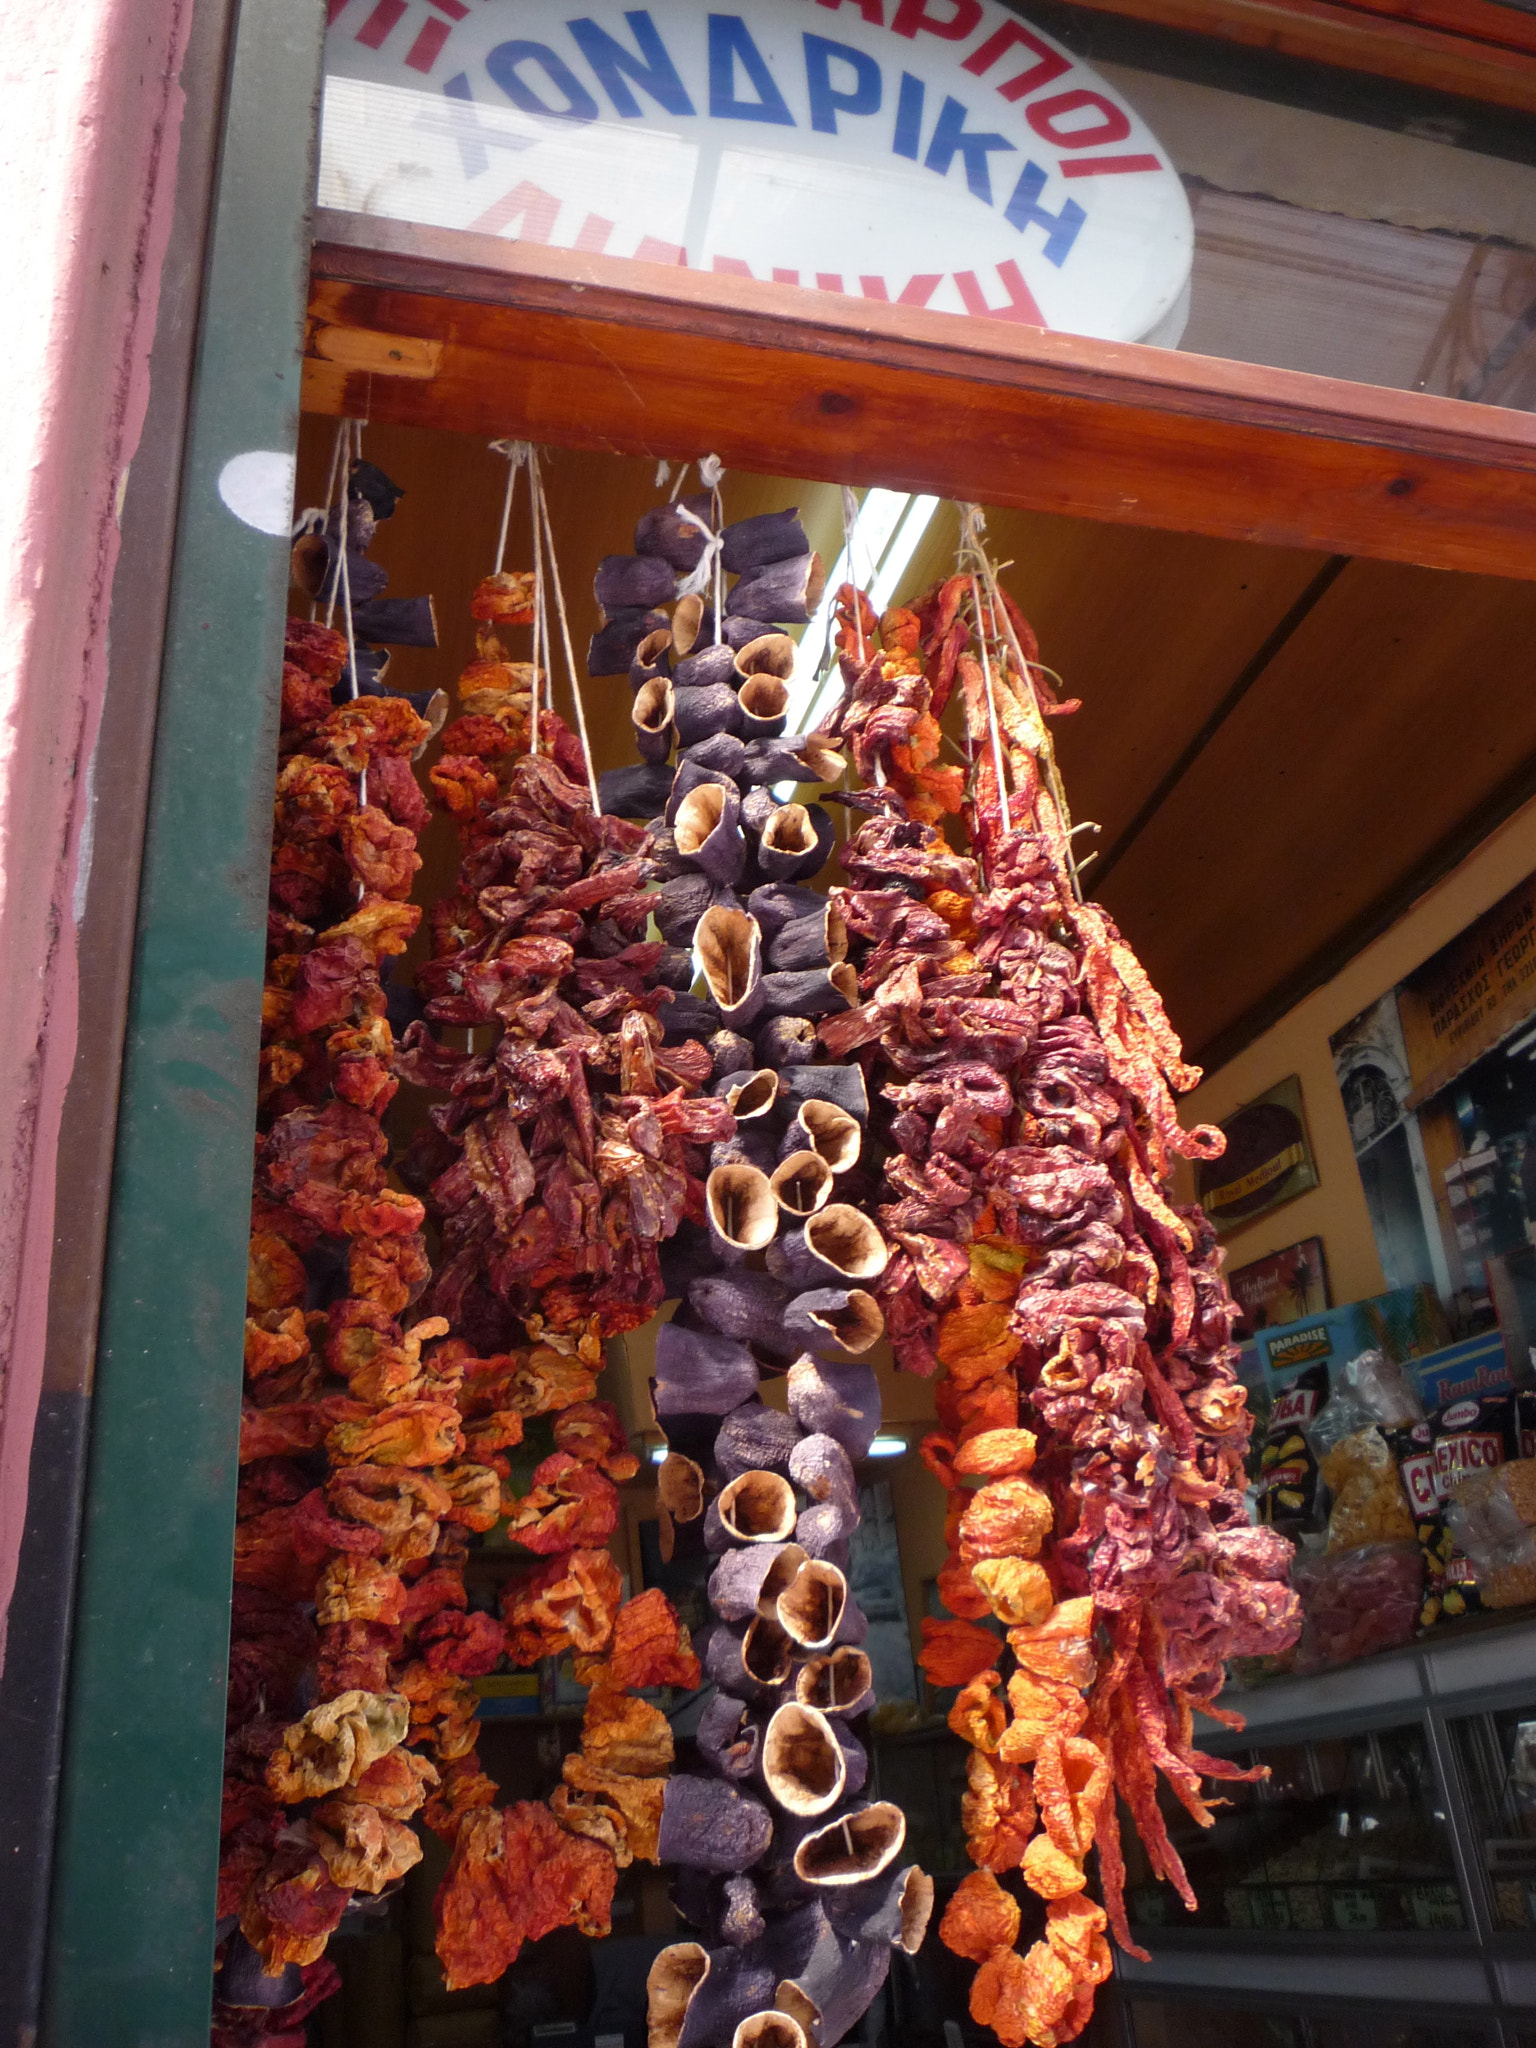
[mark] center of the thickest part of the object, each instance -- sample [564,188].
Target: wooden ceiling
[1281,748]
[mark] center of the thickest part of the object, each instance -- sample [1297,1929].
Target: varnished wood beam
[435,328]
[1467,47]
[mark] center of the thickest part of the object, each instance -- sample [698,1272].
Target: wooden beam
[597,352]
[1464,47]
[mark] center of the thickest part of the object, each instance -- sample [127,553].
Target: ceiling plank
[1400,708]
[1451,46]
[603,354]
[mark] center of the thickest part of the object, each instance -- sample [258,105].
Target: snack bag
[1488,1521]
[1357,1602]
[1369,1504]
[1470,1436]
[1288,1476]
[1413,1451]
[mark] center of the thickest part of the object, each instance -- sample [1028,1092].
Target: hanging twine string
[516,454]
[540,621]
[336,505]
[850,525]
[973,548]
[973,554]
[345,579]
[541,516]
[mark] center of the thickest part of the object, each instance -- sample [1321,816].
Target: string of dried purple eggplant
[792,1879]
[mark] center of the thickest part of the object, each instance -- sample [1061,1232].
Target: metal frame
[131,1934]
[1490,1974]
[130,1943]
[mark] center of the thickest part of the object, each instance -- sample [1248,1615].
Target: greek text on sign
[938,153]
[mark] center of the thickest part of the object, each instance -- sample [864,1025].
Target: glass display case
[1348,1834]
[1496,1755]
[1378,1888]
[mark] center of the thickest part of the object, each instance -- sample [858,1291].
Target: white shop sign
[938,153]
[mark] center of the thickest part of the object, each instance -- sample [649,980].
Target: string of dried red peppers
[560,1158]
[1029,1071]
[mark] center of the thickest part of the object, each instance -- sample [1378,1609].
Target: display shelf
[1486,1660]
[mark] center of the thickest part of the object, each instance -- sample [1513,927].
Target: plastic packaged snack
[1288,1477]
[1357,1602]
[1471,1437]
[1491,1534]
[1369,1504]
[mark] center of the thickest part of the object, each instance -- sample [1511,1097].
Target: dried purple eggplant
[751,1663]
[751,1097]
[698,1373]
[680,1487]
[750,1580]
[893,1908]
[755,1437]
[820,1466]
[652,658]
[634,792]
[801,1184]
[707,829]
[741,1212]
[815,992]
[840,1401]
[840,1683]
[842,1085]
[801,1761]
[787,592]
[776,904]
[823,1531]
[756,1507]
[810,1608]
[633,582]
[739,1304]
[709,1824]
[764,702]
[836,1323]
[823,1128]
[679,541]
[795,757]
[678,905]
[612,647]
[819,940]
[795,842]
[651,716]
[703,712]
[853,1846]
[705,667]
[728,1738]
[728,947]
[740,1922]
[748,544]
[836,1248]
[722,753]
[729,1052]
[786,1042]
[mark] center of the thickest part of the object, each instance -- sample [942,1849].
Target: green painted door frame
[131,1933]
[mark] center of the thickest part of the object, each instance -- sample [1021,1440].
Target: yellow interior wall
[1335,1209]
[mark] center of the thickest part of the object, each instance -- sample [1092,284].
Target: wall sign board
[939,153]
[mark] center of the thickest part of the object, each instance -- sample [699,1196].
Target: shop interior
[1265,792]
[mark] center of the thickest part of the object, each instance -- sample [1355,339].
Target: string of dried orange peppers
[1037,1266]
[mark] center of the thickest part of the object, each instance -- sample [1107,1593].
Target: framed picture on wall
[1282,1287]
[1268,1159]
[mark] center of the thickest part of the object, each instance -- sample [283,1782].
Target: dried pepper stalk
[351,1450]
[1025,1073]
[562,1156]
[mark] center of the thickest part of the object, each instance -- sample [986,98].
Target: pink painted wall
[90,115]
